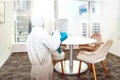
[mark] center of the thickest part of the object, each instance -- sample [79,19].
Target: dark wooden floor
[18,66]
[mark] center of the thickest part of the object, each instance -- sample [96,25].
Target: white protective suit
[39,45]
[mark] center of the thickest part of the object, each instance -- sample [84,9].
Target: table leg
[71,58]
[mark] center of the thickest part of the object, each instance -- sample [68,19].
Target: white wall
[110,24]
[6,32]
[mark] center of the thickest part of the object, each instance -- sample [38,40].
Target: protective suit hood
[37,20]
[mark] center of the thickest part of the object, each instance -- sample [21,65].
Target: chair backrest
[101,53]
[97,37]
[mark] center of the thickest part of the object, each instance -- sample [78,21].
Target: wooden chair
[95,57]
[93,46]
[59,57]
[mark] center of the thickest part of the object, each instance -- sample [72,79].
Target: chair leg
[54,62]
[94,71]
[90,67]
[80,62]
[62,67]
[105,68]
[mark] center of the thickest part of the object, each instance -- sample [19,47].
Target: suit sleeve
[52,42]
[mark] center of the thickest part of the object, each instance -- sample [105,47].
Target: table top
[75,40]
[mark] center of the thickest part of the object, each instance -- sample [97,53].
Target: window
[78,17]
[95,17]
[22,19]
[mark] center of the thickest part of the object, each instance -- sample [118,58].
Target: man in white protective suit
[39,45]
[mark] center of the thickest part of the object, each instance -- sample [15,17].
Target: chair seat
[58,56]
[89,57]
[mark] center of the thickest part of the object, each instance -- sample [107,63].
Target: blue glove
[59,50]
[63,37]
